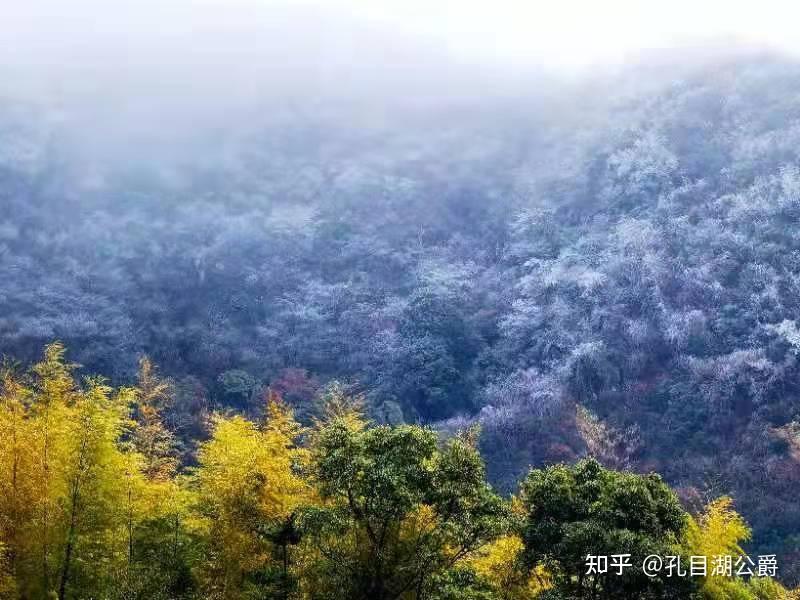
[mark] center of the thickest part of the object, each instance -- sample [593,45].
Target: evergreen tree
[574,512]
[397,509]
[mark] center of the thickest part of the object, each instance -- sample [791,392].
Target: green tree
[581,510]
[397,509]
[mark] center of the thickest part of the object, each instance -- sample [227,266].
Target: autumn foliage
[96,502]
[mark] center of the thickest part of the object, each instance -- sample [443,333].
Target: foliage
[247,487]
[397,510]
[576,511]
[501,564]
[719,531]
[346,509]
[624,243]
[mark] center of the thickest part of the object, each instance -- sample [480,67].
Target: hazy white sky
[586,31]
[119,69]
[556,32]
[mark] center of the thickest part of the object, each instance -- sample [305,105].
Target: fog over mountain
[597,259]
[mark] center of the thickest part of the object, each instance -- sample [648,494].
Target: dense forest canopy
[605,267]
[96,504]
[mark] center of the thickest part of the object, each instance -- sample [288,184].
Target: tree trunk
[130,529]
[285,570]
[62,588]
[74,497]
[46,513]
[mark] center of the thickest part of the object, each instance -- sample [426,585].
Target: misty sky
[164,66]
[579,32]
[558,34]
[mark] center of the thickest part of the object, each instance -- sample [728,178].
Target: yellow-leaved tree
[499,564]
[151,438]
[18,494]
[95,473]
[157,505]
[63,475]
[717,533]
[249,485]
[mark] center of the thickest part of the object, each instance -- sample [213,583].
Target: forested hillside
[95,504]
[608,267]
